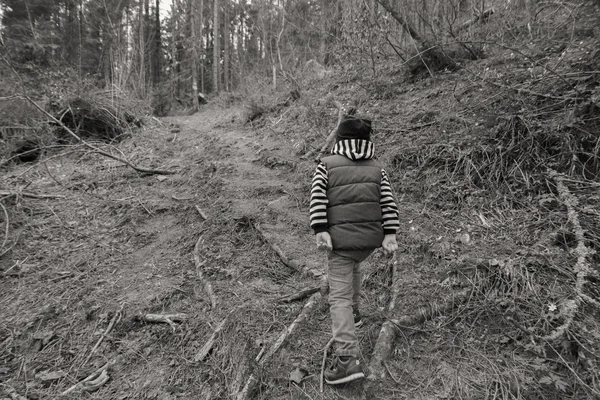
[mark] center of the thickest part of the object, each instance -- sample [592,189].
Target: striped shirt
[354,149]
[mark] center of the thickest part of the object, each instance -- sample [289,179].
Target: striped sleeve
[389,208]
[318,200]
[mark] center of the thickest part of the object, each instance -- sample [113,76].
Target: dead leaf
[298,375]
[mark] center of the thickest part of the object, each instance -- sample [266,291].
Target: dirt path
[120,239]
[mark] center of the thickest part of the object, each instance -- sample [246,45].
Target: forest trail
[115,245]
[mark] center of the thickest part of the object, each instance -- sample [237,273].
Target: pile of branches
[91,119]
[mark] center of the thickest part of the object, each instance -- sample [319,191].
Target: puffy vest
[354,218]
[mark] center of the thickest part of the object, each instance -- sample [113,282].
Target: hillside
[182,285]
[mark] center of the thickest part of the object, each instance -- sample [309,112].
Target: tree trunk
[194,40]
[157,47]
[387,5]
[216,51]
[226,46]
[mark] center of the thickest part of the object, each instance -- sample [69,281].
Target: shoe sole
[345,379]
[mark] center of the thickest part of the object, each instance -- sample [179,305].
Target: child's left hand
[389,244]
[324,241]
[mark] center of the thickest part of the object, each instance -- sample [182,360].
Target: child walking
[352,212]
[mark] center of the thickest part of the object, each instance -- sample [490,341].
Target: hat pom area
[352,127]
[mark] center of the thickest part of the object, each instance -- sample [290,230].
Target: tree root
[165,318]
[383,346]
[308,308]
[207,285]
[300,295]
[292,264]
[206,349]
[93,381]
[582,266]
[115,319]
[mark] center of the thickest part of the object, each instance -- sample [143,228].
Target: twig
[94,148]
[113,322]
[166,318]
[7,193]
[207,286]
[325,351]
[581,267]
[308,308]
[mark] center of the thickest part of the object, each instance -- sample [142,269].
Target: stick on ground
[199,265]
[308,308]
[113,322]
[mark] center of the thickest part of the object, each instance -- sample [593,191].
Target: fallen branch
[292,264]
[6,193]
[165,318]
[308,308]
[113,322]
[325,350]
[331,136]
[205,350]
[207,286]
[389,329]
[300,295]
[582,266]
[94,148]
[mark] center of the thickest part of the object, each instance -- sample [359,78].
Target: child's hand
[324,241]
[389,244]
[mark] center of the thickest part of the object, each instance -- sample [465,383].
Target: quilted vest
[353,211]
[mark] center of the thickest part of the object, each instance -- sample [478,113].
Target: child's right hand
[324,241]
[390,245]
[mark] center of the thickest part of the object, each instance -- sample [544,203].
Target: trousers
[345,279]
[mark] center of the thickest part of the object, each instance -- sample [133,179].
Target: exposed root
[582,266]
[7,193]
[94,380]
[300,295]
[308,308]
[7,221]
[207,348]
[207,285]
[292,264]
[116,318]
[383,346]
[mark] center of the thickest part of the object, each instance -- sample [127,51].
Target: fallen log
[115,319]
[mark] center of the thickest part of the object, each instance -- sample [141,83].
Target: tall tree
[216,51]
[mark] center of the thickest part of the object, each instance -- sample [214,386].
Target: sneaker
[343,371]
[357,317]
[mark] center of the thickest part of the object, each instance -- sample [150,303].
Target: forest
[156,160]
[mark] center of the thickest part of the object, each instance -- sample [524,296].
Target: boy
[352,212]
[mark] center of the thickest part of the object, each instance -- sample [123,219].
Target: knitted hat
[353,127]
